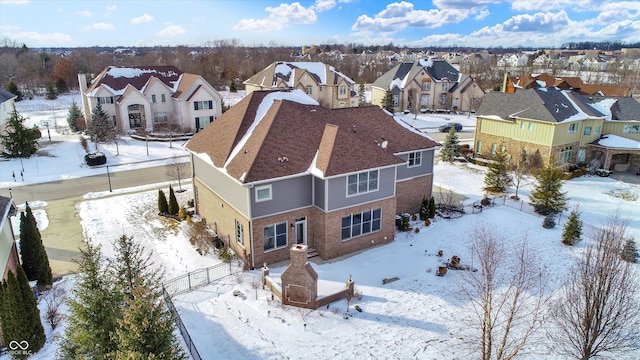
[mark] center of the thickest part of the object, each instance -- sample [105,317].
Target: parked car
[447,127]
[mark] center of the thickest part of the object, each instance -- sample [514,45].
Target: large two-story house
[563,124]
[151,97]
[8,252]
[427,84]
[322,82]
[278,169]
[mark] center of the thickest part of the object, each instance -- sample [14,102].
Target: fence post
[521,204]
[189,280]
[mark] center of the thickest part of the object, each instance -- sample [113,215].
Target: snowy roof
[116,79]
[618,142]
[290,73]
[402,73]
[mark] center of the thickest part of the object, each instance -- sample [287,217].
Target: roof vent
[283,159]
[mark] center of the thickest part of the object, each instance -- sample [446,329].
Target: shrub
[485,201]
[414,217]
[573,228]
[424,209]
[549,221]
[163,207]
[427,222]
[629,252]
[417,230]
[95,159]
[406,225]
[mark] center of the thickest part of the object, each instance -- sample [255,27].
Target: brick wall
[409,194]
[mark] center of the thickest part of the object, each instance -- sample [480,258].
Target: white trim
[358,182]
[415,163]
[275,236]
[263,187]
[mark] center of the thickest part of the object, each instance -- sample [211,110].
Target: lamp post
[109,178]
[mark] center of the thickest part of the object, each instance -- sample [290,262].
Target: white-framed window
[263,193]
[160,118]
[587,130]
[573,128]
[308,89]
[239,233]
[631,129]
[445,86]
[598,130]
[275,236]
[443,99]
[105,100]
[202,105]
[425,100]
[395,100]
[153,98]
[565,155]
[361,223]
[522,125]
[163,97]
[415,159]
[341,104]
[479,147]
[530,126]
[363,182]
[426,86]
[494,148]
[342,90]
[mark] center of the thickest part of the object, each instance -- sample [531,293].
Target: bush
[427,222]
[94,159]
[485,201]
[414,217]
[629,252]
[549,221]
[417,230]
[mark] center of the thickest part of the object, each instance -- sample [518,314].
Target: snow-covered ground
[419,316]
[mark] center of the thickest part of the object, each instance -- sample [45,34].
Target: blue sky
[475,23]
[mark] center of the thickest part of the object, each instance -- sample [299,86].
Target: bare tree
[520,165]
[177,170]
[597,309]
[507,294]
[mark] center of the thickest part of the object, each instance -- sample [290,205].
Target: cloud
[171,31]
[279,17]
[462,4]
[8,28]
[85,13]
[324,5]
[482,14]
[111,8]
[100,26]
[537,22]
[14,2]
[146,18]
[51,38]
[547,5]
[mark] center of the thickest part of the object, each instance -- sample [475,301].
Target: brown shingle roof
[167,74]
[286,140]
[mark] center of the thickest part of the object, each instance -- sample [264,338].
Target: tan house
[572,128]
[7,104]
[322,82]
[8,251]
[278,169]
[151,97]
[427,84]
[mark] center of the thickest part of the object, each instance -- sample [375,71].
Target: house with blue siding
[278,169]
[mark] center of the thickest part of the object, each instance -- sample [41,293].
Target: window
[343,90]
[361,223]
[565,155]
[494,147]
[424,100]
[163,97]
[105,100]
[263,193]
[202,105]
[445,86]
[341,104]
[443,99]
[114,120]
[239,233]
[363,182]
[426,86]
[530,126]
[160,118]
[479,147]
[631,129]
[275,236]
[522,125]
[309,89]
[395,100]
[587,130]
[573,128]
[153,99]
[597,130]
[415,159]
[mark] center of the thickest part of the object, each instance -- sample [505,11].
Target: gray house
[277,170]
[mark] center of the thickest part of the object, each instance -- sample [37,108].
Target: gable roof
[5,96]
[272,134]
[117,78]
[544,104]
[404,72]
[620,108]
[291,72]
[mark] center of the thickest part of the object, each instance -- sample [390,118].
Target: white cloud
[482,14]
[537,22]
[14,2]
[324,5]
[462,4]
[111,8]
[171,31]
[100,26]
[51,38]
[146,18]
[547,5]
[8,28]
[279,17]
[85,13]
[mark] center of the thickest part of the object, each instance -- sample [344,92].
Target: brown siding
[411,192]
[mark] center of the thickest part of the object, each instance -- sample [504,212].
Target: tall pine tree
[497,178]
[451,148]
[173,203]
[33,253]
[101,128]
[19,140]
[20,317]
[572,230]
[75,117]
[362,97]
[133,267]
[163,207]
[387,101]
[546,197]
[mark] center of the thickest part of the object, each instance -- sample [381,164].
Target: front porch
[615,153]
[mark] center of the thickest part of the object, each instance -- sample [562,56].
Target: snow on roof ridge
[604,106]
[294,95]
[313,168]
[581,115]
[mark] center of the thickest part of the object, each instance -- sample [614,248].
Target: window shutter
[210,104]
[195,105]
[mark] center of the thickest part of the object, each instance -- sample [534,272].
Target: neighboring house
[427,84]
[563,124]
[7,104]
[8,251]
[529,81]
[278,169]
[151,97]
[322,82]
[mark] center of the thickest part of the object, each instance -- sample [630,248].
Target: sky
[472,23]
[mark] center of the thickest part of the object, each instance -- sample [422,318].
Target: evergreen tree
[546,197]
[232,87]
[13,88]
[74,116]
[629,252]
[33,253]
[20,317]
[362,97]
[424,209]
[451,148]
[549,221]
[573,228]
[61,86]
[51,92]
[497,178]
[387,101]
[101,128]
[19,141]
[432,208]
[163,207]
[173,203]
[93,310]
[132,268]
